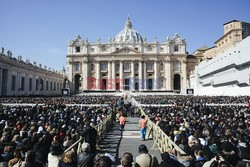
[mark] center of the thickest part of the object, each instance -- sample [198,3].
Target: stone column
[121,75]
[98,76]
[1,80]
[141,83]
[85,69]
[113,76]
[145,81]
[156,77]
[132,80]
[183,76]
[168,75]
[109,80]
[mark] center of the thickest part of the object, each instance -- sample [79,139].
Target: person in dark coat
[86,158]
[90,135]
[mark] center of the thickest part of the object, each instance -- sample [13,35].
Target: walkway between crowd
[117,143]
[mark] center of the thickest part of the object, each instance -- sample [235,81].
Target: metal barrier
[101,129]
[164,142]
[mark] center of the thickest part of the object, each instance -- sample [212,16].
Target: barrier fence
[101,129]
[164,142]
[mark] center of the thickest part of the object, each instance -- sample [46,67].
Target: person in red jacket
[122,120]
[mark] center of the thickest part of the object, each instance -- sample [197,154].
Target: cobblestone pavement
[117,143]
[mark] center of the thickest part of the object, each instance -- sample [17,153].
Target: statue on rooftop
[2,50]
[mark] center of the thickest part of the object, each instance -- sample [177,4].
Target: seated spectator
[145,159]
[102,161]
[30,160]
[169,161]
[54,155]
[127,160]
[68,160]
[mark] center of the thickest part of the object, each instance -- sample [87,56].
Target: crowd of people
[181,99]
[206,133]
[61,100]
[38,135]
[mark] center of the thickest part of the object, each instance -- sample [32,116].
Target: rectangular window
[149,67]
[103,49]
[126,67]
[47,85]
[150,49]
[50,85]
[78,49]
[176,48]
[103,67]
[176,66]
[136,67]
[117,67]
[77,66]
[37,83]
[13,83]
[41,82]
[22,83]
[30,84]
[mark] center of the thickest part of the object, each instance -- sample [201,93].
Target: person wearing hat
[85,159]
[145,159]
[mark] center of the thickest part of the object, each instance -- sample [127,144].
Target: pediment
[126,50]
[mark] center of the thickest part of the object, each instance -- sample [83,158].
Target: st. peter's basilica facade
[127,62]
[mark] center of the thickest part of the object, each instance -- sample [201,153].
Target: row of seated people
[212,131]
[179,99]
[61,100]
[47,129]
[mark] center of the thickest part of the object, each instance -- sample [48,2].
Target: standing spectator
[85,159]
[90,135]
[143,126]
[145,159]
[122,120]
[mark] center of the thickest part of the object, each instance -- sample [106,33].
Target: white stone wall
[226,74]
[20,70]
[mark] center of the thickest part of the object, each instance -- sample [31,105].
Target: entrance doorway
[77,82]
[150,84]
[117,86]
[4,82]
[127,82]
[104,84]
[136,86]
[177,82]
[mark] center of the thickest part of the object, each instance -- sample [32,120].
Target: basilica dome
[128,34]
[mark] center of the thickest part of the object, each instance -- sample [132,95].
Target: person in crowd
[199,159]
[30,160]
[86,158]
[169,161]
[145,159]
[90,135]
[55,154]
[143,126]
[122,121]
[68,159]
[102,161]
[127,160]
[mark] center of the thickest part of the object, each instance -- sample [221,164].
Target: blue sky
[40,29]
